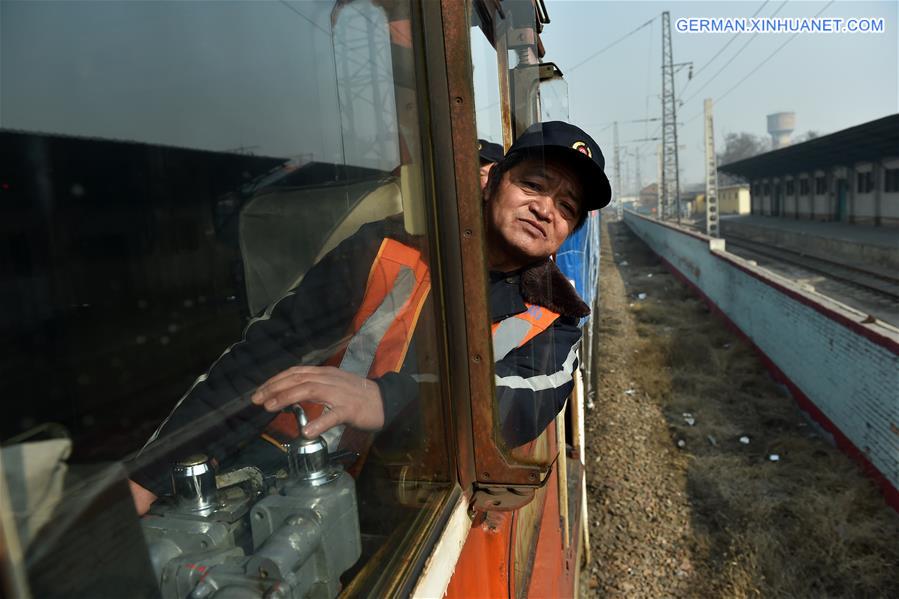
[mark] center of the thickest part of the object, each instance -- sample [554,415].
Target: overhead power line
[607,124]
[619,40]
[646,97]
[732,58]
[729,42]
[760,65]
[719,52]
[297,11]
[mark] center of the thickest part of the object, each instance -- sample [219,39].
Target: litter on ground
[700,508]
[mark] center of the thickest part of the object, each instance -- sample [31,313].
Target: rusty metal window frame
[494,479]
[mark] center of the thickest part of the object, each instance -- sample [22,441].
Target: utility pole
[711,174]
[617,189]
[626,181]
[638,180]
[670,179]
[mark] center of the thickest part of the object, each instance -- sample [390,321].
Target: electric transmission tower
[670,182]
[711,174]
[365,87]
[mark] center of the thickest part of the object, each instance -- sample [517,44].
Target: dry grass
[809,525]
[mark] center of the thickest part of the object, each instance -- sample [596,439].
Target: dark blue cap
[489,151]
[572,145]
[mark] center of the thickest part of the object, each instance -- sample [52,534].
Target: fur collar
[545,285]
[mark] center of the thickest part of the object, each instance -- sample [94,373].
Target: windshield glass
[197,199]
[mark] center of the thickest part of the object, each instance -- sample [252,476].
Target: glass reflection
[213,184]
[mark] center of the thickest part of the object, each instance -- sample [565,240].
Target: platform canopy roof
[866,142]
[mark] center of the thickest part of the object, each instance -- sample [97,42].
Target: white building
[851,176]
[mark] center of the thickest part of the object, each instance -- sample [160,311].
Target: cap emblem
[583,148]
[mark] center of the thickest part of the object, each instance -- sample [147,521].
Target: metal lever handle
[307,459]
[300,416]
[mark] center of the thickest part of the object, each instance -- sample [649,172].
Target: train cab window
[519,439]
[224,317]
[530,376]
[488,110]
[553,95]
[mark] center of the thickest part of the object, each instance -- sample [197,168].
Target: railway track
[873,282]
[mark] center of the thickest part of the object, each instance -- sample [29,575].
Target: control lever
[344,456]
[307,459]
[300,415]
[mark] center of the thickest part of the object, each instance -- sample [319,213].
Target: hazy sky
[264,76]
[253,76]
[831,81]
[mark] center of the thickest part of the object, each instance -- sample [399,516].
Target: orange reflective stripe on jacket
[398,285]
[516,330]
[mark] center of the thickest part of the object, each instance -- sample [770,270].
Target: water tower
[780,125]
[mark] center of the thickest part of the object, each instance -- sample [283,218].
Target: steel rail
[879,283]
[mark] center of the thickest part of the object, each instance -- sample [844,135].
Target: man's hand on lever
[350,399]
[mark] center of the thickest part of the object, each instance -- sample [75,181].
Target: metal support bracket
[500,499]
[504,498]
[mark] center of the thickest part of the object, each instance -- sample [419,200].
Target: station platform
[874,248]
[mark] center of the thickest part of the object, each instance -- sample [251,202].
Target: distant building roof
[868,141]
[112,154]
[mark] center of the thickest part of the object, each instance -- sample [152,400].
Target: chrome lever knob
[193,483]
[307,459]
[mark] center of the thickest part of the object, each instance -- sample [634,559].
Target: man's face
[535,208]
